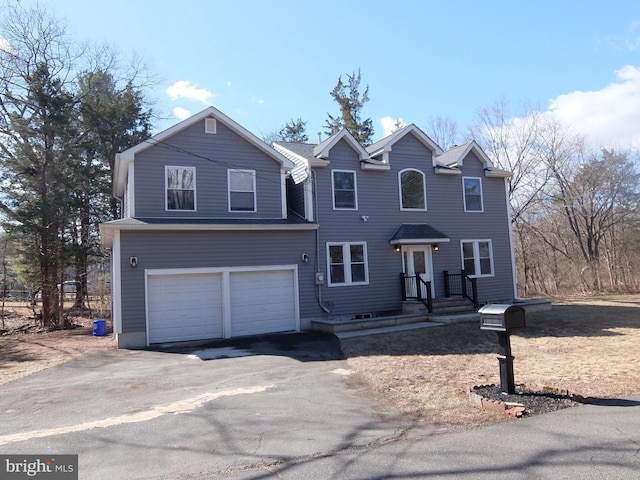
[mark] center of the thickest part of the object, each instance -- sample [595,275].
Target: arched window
[413,195]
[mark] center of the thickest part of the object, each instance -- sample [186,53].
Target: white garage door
[184,307]
[263,302]
[224,303]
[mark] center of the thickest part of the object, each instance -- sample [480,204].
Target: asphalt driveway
[199,412]
[284,407]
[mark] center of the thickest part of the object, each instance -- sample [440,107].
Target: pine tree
[294,131]
[351,104]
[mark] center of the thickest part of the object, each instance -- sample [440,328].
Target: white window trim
[464,195]
[424,190]
[347,264]
[253,178]
[166,189]
[355,190]
[210,125]
[476,256]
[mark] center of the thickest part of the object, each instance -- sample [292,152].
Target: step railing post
[447,290]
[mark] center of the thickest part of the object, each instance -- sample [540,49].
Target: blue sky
[265,62]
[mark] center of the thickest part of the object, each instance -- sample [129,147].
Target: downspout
[325,308]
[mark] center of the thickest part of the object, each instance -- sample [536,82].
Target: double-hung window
[412,190]
[180,184]
[477,258]
[472,194]
[344,190]
[242,190]
[347,263]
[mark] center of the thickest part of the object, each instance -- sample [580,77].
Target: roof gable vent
[210,125]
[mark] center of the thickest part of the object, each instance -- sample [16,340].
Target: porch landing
[446,311]
[414,315]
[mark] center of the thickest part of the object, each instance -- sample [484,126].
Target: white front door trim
[410,256]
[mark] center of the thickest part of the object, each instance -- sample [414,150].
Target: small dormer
[379,152]
[322,150]
[451,162]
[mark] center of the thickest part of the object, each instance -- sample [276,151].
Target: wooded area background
[67,108]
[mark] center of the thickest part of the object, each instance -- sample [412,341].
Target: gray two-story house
[223,235]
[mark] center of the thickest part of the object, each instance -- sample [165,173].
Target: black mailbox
[501,317]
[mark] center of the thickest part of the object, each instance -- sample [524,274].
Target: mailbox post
[503,319]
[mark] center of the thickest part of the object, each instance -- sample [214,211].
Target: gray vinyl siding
[379,200]
[211,155]
[196,249]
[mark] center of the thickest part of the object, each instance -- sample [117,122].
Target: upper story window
[472,194]
[344,190]
[181,188]
[242,190]
[412,190]
[347,264]
[477,258]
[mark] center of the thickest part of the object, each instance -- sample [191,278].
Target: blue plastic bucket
[99,328]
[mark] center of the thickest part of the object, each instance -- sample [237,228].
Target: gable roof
[322,149]
[417,233]
[123,159]
[453,159]
[384,146]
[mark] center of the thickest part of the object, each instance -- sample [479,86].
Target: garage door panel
[184,307]
[262,302]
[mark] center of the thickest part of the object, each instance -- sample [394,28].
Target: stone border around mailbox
[514,409]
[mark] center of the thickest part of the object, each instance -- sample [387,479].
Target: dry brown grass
[587,345]
[28,349]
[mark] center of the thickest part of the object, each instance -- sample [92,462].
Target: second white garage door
[262,302]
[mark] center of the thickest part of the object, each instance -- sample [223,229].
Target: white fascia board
[447,171]
[108,230]
[495,172]
[283,192]
[343,134]
[374,166]
[308,200]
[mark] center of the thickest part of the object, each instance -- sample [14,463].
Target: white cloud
[5,46]
[185,89]
[181,113]
[610,116]
[256,100]
[389,124]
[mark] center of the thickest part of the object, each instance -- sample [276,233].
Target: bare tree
[597,194]
[512,140]
[444,131]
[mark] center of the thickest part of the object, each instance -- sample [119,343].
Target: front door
[416,262]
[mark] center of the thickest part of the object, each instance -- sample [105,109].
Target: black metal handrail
[412,290]
[463,285]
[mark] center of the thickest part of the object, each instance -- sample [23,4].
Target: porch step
[441,306]
[452,305]
[338,326]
